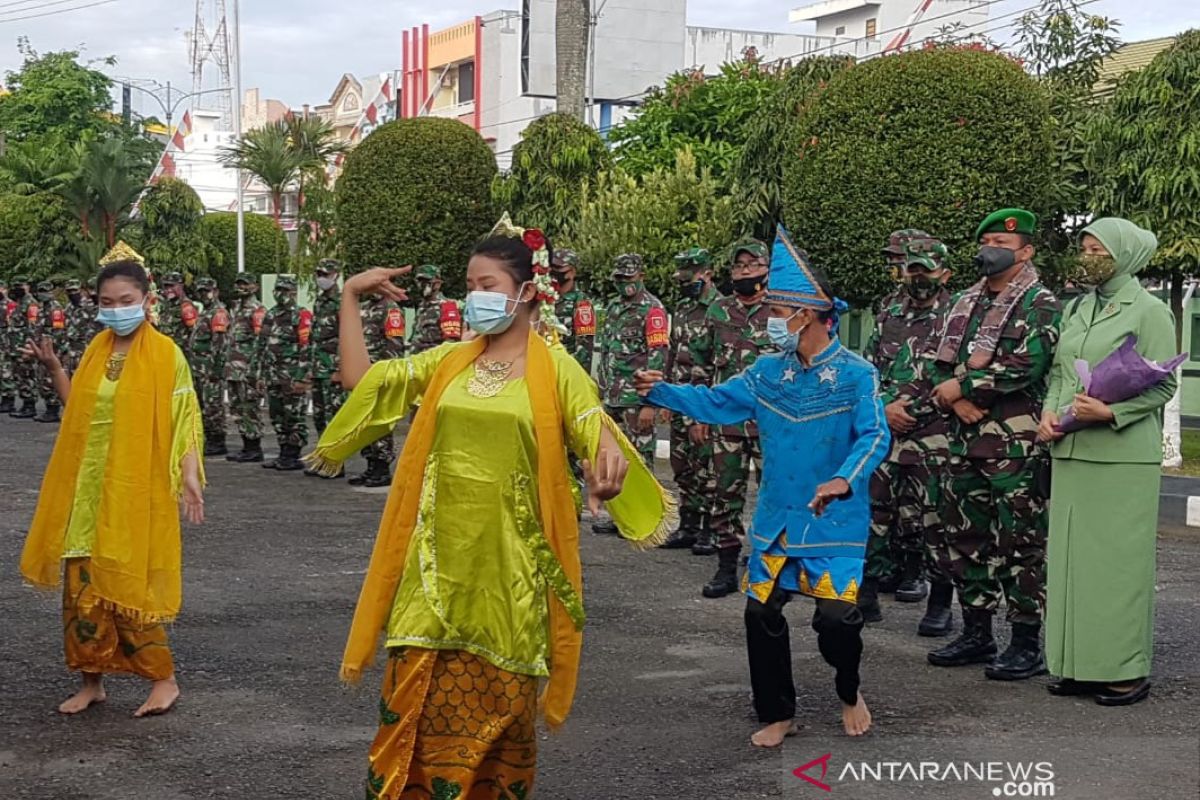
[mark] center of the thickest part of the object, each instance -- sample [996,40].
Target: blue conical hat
[792,281]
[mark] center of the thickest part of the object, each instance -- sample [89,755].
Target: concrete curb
[1179,504]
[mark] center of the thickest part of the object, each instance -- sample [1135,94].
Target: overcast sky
[295,50]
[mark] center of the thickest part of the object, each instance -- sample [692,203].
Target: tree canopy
[55,94]
[169,235]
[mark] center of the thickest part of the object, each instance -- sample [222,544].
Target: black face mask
[18,293]
[922,288]
[748,287]
[994,260]
[692,290]
[559,279]
[75,297]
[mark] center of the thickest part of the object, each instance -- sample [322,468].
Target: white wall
[892,16]
[712,47]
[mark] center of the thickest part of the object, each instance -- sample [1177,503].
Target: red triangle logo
[823,761]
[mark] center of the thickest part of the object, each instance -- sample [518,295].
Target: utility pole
[237,132]
[571,55]
[593,21]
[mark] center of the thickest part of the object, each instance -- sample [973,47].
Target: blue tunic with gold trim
[816,423]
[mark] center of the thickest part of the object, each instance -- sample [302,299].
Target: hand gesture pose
[605,482]
[42,349]
[378,281]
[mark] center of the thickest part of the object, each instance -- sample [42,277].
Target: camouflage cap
[93,281]
[204,283]
[693,258]
[46,286]
[898,239]
[20,279]
[930,254]
[428,272]
[329,266]
[172,279]
[628,265]
[564,257]
[287,282]
[73,284]
[748,244]
[247,279]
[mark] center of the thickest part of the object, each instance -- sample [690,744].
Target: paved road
[662,710]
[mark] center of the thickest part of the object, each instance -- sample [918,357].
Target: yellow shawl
[647,519]
[135,562]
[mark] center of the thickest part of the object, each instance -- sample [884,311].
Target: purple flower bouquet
[1121,375]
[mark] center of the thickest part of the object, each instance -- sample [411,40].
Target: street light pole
[237,132]
[594,20]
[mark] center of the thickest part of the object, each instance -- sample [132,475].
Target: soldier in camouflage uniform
[899,499]
[327,394]
[81,324]
[635,337]
[691,442]
[438,319]
[54,328]
[177,314]
[24,323]
[210,352]
[8,386]
[575,310]
[987,365]
[383,332]
[285,372]
[246,318]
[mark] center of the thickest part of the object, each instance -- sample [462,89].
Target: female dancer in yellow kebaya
[107,520]
[475,576]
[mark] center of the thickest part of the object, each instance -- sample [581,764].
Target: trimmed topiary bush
[933,139]
[168,234]
[266,246]
[417,191]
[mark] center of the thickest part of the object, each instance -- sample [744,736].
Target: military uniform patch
[256,319]
[585,319]
[58,319]
[450,321]
[657,333]
[220,321]
[393,326]
[188,314]
[304,329]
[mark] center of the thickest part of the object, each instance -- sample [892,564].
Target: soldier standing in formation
[285,372]
[635,337]
[327,394]
[24,323]
[737,336]
[53,328]
[574,309]
[8,387]
[246,319]
[691,441]
[987,368]
[210,348]
[383,332]
[81,324]
[439,319]
[177,314]
[901,503]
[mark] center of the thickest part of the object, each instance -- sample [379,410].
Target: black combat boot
[214,445]
[685,536]
[938,619]
[50,415]
[357,480]
[379,473]
[974,646]
[889,582]
[26,410]
[251,452]
[1023,658]
[7,405]
[725,581]
[289,459]
[706,538]
[868,600]
[912,588]
[605,527]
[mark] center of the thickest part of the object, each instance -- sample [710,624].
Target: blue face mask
[781,337]
[123,320]
[487,312]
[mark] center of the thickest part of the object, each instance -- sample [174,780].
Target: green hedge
[266,246]
[168,234]
[37,235]
[932,139]
[416,191]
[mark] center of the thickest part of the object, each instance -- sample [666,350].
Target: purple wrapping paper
[1123,374]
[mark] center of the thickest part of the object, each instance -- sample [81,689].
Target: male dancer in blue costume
[823,434]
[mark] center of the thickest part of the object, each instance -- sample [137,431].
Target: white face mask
[325,284]
[487,312]
[780,336]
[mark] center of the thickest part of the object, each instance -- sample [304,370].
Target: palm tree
[37,165]
[267,154]
[316,142]
[572,24]
[109,172]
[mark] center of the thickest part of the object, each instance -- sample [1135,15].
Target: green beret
[693,258]
[287,282]
[898,239]
[204,283]
[329,266]
[74,285]
[928,253]
[172,279]
[628,265]
[564,257]
[428,272]
[1008,220]
[754,247]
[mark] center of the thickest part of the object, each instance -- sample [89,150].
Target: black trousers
[839,627]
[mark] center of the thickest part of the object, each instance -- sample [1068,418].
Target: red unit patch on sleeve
[585,319]
[220,321]
[393,326]
[58,319]
[657,332]
[189,315]
[304,329]
[256,319]
[450,321]
[32,313]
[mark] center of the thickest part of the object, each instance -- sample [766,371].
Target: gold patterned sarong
[99,639]
[453,726]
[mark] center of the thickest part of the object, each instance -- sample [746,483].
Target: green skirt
[1100,561]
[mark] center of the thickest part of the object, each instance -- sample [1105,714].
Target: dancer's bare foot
[856,719]
[774,734]
[163,695]
[89,694]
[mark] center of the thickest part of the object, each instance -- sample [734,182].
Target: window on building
[871,26]
[466,82]
[840,30]
[524,46]
[350,103]
[1195,337]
